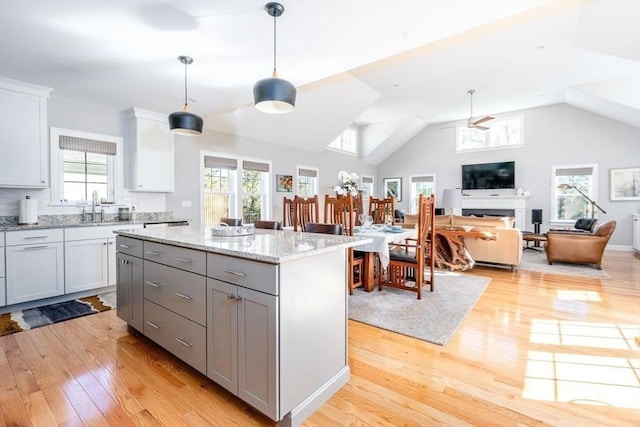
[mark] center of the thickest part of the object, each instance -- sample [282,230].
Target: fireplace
[489,212]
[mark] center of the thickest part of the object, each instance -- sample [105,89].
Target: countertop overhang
[270,246]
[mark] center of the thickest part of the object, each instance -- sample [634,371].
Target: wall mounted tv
[487,176]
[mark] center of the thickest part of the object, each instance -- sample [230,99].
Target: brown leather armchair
[579,248]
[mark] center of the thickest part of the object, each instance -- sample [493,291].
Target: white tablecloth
[381,240]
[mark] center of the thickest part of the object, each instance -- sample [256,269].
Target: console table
[451,252]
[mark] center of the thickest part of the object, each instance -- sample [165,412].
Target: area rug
[434,318]
[537,261]
[46,315]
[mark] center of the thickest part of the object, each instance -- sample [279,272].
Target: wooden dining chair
[408,261]
[340,210]
[379,208]
[231,221]
[268,225]
[307,210]
[289,213]
[318,227]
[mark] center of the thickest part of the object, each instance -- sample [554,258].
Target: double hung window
[307,181]
[568,204]
[421,184]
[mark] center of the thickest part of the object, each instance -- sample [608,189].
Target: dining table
[381,236]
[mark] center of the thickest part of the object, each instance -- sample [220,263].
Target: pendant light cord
[275,74]
[186,107]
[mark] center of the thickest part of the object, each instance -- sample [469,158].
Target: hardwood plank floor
[538,349]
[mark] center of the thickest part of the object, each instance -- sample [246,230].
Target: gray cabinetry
[175,301]
[34,265]
[242,343]
[636,231]
[130,287]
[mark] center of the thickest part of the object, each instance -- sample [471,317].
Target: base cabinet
[3,287]
[636,231]
[241,346]
[86,264]
[129,294]
[34,270]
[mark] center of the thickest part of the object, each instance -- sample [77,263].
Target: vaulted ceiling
[391,67]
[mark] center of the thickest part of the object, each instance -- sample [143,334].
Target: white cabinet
[35,265]
[636,231]
[90,257]
[3,287]
[23,139]
[241,349]
[149,156]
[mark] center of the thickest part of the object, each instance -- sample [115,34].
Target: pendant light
[183,122]
[274,95]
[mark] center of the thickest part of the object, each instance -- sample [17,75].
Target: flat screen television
[488,176]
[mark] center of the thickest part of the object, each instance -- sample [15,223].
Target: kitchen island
[264,315]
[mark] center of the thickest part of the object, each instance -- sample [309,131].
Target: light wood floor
[536,350]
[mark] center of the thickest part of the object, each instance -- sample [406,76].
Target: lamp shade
[185,123]
[451,199]
[274,95]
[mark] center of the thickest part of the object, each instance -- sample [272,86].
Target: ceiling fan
[476,124]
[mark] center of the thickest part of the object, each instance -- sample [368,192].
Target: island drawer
[182,258]
[182,337]
[129,246]
[180,291]
[34,237]
[254,275]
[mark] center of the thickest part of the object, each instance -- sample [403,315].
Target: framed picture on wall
[393,188]
[284,183]
[625,184]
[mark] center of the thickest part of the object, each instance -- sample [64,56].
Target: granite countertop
[66,221]
[268,246]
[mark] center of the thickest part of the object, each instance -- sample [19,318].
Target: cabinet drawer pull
[35,237]
[124,246]
[29,248]
[184,343]
[235,273]
[153,253]
[184,296]
[155,285]
[183,260]
[153,325]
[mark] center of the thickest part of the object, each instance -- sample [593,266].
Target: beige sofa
[506,249]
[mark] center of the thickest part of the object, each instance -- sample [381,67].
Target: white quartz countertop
[268,246]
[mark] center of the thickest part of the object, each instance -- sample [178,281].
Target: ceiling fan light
[185,123]
[274,95]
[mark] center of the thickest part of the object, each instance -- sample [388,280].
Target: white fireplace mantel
[517,203]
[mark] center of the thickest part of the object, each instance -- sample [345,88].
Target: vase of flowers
[348,184]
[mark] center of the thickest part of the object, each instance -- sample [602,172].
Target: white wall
[284,162]
[553,135]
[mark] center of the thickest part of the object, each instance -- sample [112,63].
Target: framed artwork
[625,184]
[284,183]
[393,188]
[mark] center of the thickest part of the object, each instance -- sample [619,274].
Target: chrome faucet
[94,202]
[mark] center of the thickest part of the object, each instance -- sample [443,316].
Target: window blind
[66,142]
[308,172]
[220,163]
[424,178]
[367,180]
[574,171]
[255,166]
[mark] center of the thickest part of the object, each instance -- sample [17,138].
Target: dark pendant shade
[274,95]
[185,123]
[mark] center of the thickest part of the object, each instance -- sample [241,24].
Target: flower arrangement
[349,184]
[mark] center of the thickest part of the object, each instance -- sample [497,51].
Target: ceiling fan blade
[482,120]
[480,127]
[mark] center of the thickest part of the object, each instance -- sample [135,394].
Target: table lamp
[451,199]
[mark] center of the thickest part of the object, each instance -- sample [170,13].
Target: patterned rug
[434,318]
[537,261]
[46,315]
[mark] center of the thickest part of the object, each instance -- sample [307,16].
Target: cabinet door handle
[183,260]
[235,297]
[35,237]
[124,246]
[155,285]
[153,253]
[29,248]
[184,343]
[124,261]
[184,296]
[153,325]
[235,273]
[111,243]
